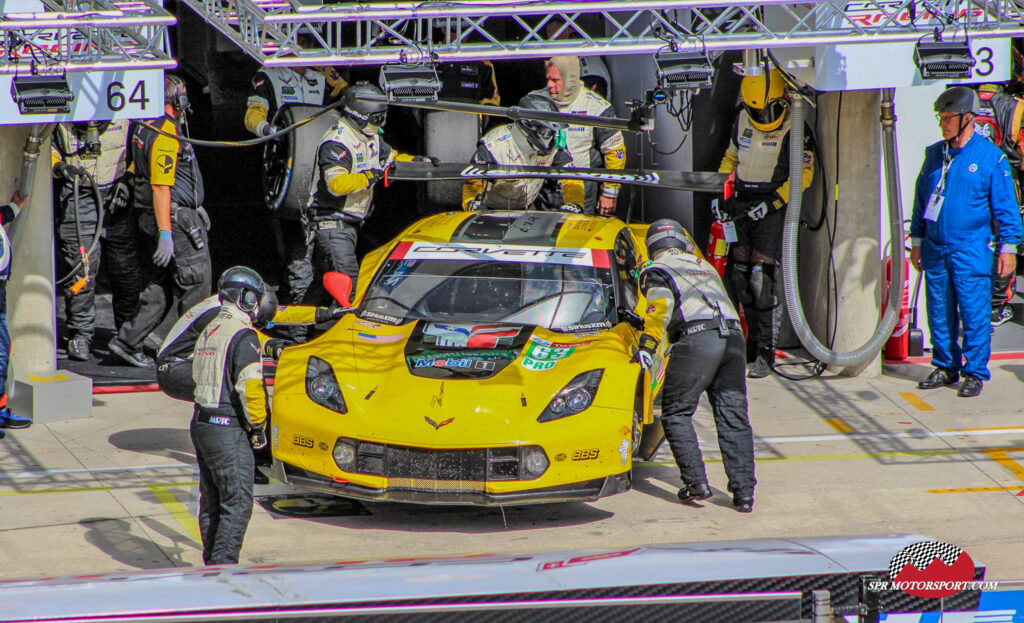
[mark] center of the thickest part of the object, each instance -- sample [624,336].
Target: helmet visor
[771,113]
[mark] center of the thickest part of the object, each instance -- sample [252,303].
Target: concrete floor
[838,456]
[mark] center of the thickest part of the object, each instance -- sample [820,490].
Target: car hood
[425,373]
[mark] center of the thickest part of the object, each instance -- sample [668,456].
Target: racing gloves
[258,437]
[119,198]
[165,249]
[274,346]
[69,171]
[647,348]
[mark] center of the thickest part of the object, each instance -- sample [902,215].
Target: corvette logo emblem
[436,425]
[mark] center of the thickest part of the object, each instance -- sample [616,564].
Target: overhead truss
[372,33]
[108,36]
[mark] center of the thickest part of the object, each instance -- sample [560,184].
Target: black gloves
[327,314]
[273,347]
[69,171]
[432,160]
[372,176]
[648,346]
[258,437]
[268,129]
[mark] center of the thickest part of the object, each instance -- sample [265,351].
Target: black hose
[100,211]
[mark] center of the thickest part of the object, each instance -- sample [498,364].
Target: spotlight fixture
[943,60]
[683,70]
[41,95]
[409,83]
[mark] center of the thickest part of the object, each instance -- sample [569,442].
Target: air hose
[84,254]
[791,232]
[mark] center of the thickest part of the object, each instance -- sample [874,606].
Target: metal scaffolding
[373,33]
[97,35]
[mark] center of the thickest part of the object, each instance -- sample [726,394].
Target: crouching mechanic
[174,360]
[229,419]
[351,159]
[687,301]
[525,142]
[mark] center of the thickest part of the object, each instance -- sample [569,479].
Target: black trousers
[708,362]
[188,278]
[225,489]
[117,251]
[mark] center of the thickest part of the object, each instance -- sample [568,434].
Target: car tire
[289,163]
[451,137]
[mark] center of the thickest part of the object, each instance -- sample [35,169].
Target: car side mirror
[631,318]
[340,287]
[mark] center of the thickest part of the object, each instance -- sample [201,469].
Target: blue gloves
[165,249]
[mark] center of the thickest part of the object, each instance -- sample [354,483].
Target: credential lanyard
[947,161]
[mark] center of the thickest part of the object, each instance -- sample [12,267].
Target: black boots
[692,493]
[971,386]
[939,378]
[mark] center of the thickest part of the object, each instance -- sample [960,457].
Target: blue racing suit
[7,215]
[957,246]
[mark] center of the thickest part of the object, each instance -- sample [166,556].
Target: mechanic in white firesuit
[525,142]
[230,414]
[174,245]
[174,360]
[759,154]
[588,145]
[98,148]
[999,119]
[688,303]
[273,89]
[351,158]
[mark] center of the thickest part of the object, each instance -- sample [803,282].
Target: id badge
[729,229]
[931,213]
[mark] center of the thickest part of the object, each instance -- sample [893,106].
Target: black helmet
[540,134]
[960,100]
[364,113]
[668,234]
[266,311]
[242,286]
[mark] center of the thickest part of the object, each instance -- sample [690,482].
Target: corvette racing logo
[932,569]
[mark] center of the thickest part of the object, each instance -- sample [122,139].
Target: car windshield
[556,288]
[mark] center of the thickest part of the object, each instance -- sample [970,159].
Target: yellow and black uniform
[230,405]
[273,88]
[588,145]
[687,301]
[350,161]
[164,161]
[758,153]
[507,145]
[99,149]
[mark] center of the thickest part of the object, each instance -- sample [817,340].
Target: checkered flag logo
[931,569]
[922,554]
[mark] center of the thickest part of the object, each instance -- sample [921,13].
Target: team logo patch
[973,167]
[931,569]
[469,336]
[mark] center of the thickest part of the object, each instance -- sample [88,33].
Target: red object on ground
[898,345]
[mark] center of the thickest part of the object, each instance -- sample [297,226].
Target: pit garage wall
[30,295]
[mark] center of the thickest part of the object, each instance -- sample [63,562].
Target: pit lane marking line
[971,430]
[99,470]
[923,434]
[825,457]
[72,490]
[974,489]
[916,401]
[839,425]
[177,510]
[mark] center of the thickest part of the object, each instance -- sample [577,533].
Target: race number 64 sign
[98,95]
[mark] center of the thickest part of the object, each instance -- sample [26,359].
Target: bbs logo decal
[585,455]
[302,441]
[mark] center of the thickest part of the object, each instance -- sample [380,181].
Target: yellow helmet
[764,98]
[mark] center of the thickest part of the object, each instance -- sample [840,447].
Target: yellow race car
[491,359]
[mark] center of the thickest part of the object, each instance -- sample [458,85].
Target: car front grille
[425,469]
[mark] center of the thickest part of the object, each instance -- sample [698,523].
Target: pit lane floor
[838,456]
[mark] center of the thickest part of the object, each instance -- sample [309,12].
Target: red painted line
[1001,356]
[125,389]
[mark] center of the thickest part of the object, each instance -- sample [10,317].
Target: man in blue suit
[964,188]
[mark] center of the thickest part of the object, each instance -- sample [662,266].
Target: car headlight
[322,387]
[535,462]
[576,396]
[345,454]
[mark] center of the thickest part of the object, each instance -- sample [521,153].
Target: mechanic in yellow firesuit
[230,414]
[588,146]
[759,154]
[525,142]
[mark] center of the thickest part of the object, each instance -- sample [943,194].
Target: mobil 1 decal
[542,354]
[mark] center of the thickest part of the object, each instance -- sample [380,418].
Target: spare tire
[289,163]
